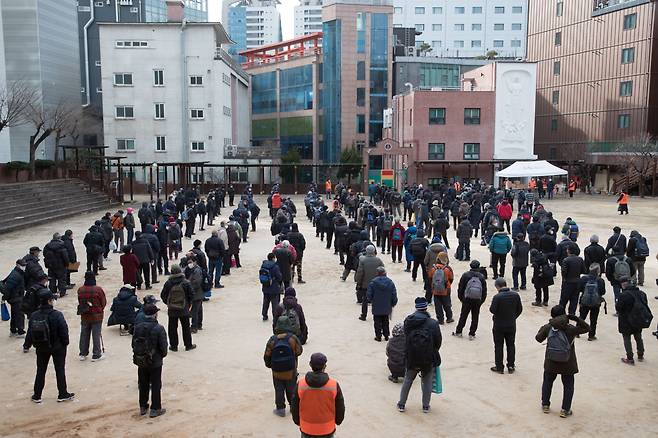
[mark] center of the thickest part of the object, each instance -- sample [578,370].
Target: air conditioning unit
[411,51]
[436,89]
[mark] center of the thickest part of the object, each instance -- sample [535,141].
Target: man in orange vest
[327,187]
[318,404]
[572,188]
[623,203]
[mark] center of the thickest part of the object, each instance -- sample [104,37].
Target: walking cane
[102,344]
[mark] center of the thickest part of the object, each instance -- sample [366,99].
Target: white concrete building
[467,28]
[308,17]
[251,23]
[171,94]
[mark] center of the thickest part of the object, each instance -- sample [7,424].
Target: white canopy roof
[529,169]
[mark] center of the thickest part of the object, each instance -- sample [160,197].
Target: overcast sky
[286,8]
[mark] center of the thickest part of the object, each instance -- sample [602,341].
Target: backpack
[265,277]
[388,223]
[473,288]
[622,268]
[439,279]
[29,303]
[573,231]
[370,217]
[419,347]
[283,358]
[397,234]
[640,315]
[143,351]
[185,215]
[176,299]
[495,222]
[294,320]
[547,270]
[40,328]
[142,214]
[641,247]
[174,232]
[417,248]
[591,297]
[558,347]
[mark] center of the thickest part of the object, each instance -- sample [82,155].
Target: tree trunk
[57,140]
[641,185]
[33,152]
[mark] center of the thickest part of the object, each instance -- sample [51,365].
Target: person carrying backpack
[440,277]
[418,247]
[616,268]
[560,357]
[634,315]
[386,228]
[638,251]
[91,304]
[178,295]
[499,245]
[149,345]
[472,292]
[396,236]
[506,307]
[295,313]
[270,279]
[48,332]
[423,341]
[592,289]
[281,353]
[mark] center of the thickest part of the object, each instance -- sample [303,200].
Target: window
[98,63]
[517,9]
[198,146]
[476,10]
[515,43]
[624,121]
[419,10]
[98,4]
[459,10]
[360,123]
[159,111]
[626,89]
[125,144]
[227,111]
[559,8]
[471,151]
[123,79]
[160,143]
[437,27]
[558,38]
[436,43]
[226,79]
[436,151]
[499,26]
[124,112]
[517,26]
[360,32]
[557,68]
[360,97]
[397,10]
[630,21]
[499,10]
[419,43]
[471,116]
[196,81]
[476,44]
[437,10]
[499,43]
[458,44]
[158,78]
[476,26]
[134,10]
[84,9]
[131,44]
[555,97]
[196,114]
[361,71]
[459,27]
[628,55]
[420,27]
[437,116]
[554,124]
[99,90]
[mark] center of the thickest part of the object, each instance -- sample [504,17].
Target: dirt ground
[222,388]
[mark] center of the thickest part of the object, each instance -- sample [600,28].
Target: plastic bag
[113,246]
[437,383]
[5,312]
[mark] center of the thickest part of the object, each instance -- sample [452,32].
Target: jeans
[539,291]
[283,389]
[215,270]
[59,361]
[516,270]
[639,271]
[497,259]
[197,314]
[506,336]
[569,295]
[118,239]
[441,303]
[149,378]
[593,318]
[547,388]
[172,330]
[130,232]
[91,330]
[381,326]
[426,385]
[270,299]
[17,320]
[464,250]
[473,307]
[628,346]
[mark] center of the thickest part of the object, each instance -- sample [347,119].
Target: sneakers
[511,370]
[401,408]
[546,409]
[498,370]
[628,361]
[143,410]
[393,379]
[426,409]
[65,397]
[471,337]
[99,358]
[36,399]
[457,335]
[536,303]
[565,414]
[157,412]
[83,358]
[279,412]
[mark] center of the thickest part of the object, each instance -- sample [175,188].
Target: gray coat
[367,270]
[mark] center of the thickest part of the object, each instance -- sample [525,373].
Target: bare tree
[640,155]
[69,128]
[46,120]
[14,102]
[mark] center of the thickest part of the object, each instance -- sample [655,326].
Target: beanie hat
[475,264]
[421,303]
[290,292]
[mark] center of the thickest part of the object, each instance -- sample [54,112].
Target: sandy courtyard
[223,389]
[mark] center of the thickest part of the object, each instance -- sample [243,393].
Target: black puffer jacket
[55,255]
[174,280]
[158,339]
[33,270]
[152,238]
[124,308]
[297,240]
[143,250]
[94,241]
[562,323]
[70,248]
[59,330]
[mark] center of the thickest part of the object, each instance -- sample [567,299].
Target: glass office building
[331,100]
[378,76]
[195,10]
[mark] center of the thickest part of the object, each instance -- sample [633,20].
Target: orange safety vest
[327,186]
[317,407]
[572,187]
[624,199]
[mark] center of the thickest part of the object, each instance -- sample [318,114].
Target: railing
[311,51]
[221,54]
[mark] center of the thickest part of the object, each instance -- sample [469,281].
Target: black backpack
[40,330]
[641,247]
[143,350]
[419,347]
[640,315]
[417,248]
[283,358]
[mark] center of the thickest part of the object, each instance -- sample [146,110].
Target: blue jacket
[277,278]
[383,295]
[518,227]
[500,243]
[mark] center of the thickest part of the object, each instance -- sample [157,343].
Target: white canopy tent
[527,169]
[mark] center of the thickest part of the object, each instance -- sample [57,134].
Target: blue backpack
[265,277]
[397,234]
[370,217]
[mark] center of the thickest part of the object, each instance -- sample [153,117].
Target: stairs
[36,202]
[631,183]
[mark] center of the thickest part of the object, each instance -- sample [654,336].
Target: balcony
[601,7]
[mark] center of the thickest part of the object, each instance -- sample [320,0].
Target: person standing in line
[270,278]
[56,260]
[592,289]
[285,259]
[499,245]
[194,275]
[149,349]
[178,295]
[594,253]
[439,279]
[560,356]
[91,305]
[117,230]
[472,292]
[638,251]
[616,268]
[298,242]
[142,249]
[129,266]
[423,341]
[396,237]
[506,307]
[49,333]
[215,250]
[281,353]
[628,323]
[464,234]
[573,267]
[129,224]
[13,294]
[383,296]
[365,273]
[520,251]
[67,238]
[318,405]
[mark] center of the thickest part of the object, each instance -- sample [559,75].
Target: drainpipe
[116,11]
[184,102]
[86,41]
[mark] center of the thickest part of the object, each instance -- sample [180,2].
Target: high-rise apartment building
[308,17]
[156,10]
[251,23]
[39,48]
[466,28]
[597,79]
